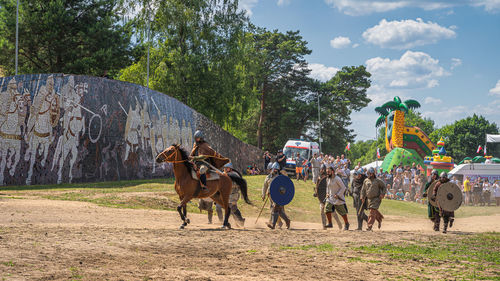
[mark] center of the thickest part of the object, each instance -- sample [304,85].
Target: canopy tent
[374,164]
[476,170]
[492,138]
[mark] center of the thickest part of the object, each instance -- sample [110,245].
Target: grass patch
[8,263]
[304,206]
[75,273]
[469,256]
[359,259]
[319,248]
[91,185]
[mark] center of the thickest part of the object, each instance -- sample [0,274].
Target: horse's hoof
[188,221]
[228,226]
[181,227]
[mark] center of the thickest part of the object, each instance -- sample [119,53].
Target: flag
[485,150]
[378,152]
[348,147]
[479,148]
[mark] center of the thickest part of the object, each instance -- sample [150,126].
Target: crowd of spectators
[404,183]
[480,192]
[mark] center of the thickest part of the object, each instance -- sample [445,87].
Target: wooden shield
[449,197]
[322,190]
[429,194]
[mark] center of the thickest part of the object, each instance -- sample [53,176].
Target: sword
[267,197]
[211,166]
[361,208]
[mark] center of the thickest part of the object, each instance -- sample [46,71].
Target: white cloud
[340,42]
[455,62]
[355,45]
[447,115]
[491,6]
[283,2]
[412,70]
[496,90]
[322,72]
[365,7]
[406,34]
[247,5]
[431,100]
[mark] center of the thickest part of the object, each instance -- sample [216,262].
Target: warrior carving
[13,111]
[73,123]
[132,126]
[44,116]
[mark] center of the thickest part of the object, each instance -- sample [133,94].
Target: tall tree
[199,55]
[339,97]
[69,36]
[280,57]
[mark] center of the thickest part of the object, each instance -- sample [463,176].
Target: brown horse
[187,188]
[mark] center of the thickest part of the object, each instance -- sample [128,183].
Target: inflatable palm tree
[393,113]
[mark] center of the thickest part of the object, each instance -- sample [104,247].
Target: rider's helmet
[444,175]
[229,165]
[434,173]
[199,134]
[371,171]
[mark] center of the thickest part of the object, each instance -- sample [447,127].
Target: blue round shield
[282,190]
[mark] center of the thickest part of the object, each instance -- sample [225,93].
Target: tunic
[371,190]
[203,149]
[335,186]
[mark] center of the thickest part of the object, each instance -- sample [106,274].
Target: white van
[305,148]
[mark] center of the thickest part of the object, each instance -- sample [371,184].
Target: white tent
[374,164]
[476,169]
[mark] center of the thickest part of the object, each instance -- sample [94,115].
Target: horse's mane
[184,156]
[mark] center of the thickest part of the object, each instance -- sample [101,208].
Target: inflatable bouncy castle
[439,161]
[407,144]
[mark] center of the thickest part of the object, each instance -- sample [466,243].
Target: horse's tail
[243,186]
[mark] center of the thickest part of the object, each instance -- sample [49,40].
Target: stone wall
[58,128]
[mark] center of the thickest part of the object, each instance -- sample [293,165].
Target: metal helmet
[275,166]
[371,171]
[444,175]
[229,165]
[270,165]
[199,134]
[434,173]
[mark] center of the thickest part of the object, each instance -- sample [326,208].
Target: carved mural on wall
[57,128]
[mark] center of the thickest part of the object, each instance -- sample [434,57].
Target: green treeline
[253,82]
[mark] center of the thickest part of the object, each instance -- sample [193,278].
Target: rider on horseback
[202,154]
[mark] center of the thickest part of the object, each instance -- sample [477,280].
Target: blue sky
[445,54]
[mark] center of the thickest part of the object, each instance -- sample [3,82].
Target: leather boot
[437,221]
[274,219]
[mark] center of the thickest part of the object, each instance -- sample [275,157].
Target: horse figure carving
[188,188]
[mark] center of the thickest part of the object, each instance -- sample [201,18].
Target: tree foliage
[464,136]
[415,118]
[69,36]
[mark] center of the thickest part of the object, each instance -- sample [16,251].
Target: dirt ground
[46,240]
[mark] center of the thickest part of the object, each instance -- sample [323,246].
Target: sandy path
[46,240]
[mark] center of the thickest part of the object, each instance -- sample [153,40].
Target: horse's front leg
[182,210]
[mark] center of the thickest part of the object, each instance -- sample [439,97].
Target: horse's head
[170,154]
